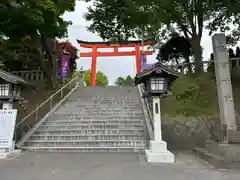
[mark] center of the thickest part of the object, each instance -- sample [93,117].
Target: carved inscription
[228,98]
[223,64]
[226,80]
[221,48]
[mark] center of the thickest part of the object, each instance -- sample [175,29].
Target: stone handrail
[147,112]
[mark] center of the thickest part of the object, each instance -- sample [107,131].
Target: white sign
[7,126]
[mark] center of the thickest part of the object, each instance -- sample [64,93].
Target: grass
[198,99]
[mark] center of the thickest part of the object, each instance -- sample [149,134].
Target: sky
[113,67]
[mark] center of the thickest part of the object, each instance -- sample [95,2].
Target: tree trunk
[49,45]
[189,65]
[46,64]
[197,53]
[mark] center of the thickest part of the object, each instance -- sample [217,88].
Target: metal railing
[234,64]
[147,111]
[45,108]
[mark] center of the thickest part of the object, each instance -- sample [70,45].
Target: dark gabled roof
[13,78]
[110,42]
[156,67]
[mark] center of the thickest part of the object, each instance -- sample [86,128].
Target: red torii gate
[95,53]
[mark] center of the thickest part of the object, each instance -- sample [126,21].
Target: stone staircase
[94,119]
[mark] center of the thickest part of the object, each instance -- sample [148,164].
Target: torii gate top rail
[94,54]
[98,44]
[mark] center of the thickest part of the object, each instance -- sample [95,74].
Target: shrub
[195,95]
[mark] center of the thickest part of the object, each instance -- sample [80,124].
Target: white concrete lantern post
[158,152]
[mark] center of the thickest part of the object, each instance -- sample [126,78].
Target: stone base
[5,155]
[221,156]
[230,152]
[158,153]
[233,136]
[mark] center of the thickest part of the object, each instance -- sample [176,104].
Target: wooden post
[137,49]
[93,66]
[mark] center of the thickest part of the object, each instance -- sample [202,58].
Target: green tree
[156,18]
[119,81]
[40,22]
[101,78]
[128,81]
[227,16]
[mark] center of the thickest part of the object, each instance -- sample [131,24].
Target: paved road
[106,166]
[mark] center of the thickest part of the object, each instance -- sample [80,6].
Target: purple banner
[65,66]
[143,63]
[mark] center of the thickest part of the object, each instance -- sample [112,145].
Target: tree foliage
[101,78]
[195,96]
[174,49]
[28,32]
[127,81]
[124,19]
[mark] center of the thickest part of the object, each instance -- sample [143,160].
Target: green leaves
[29,16]
[39,20]
[121,81]
[101,78]
[195,95]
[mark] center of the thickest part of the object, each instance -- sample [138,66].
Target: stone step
[81,112]
[109,99]
[98,113]
[93,102]
[118,131]
[86,143]
[84,149]
[107,106]
[120,97]
[234,136]
[215,160]
[228,151]
[88,137]
[89,103]
[91,126]
[101,108]
[102,104]
[93,121]
[98,110]
[69,117]
[212,159]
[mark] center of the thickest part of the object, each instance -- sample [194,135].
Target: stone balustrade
[30,76]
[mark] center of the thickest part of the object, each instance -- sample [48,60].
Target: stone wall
[185,133]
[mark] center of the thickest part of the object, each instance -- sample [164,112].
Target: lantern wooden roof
[157,68]
[11,78]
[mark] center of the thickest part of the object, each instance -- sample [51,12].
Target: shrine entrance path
[106,166]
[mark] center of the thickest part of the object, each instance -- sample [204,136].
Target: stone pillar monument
[224,85]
